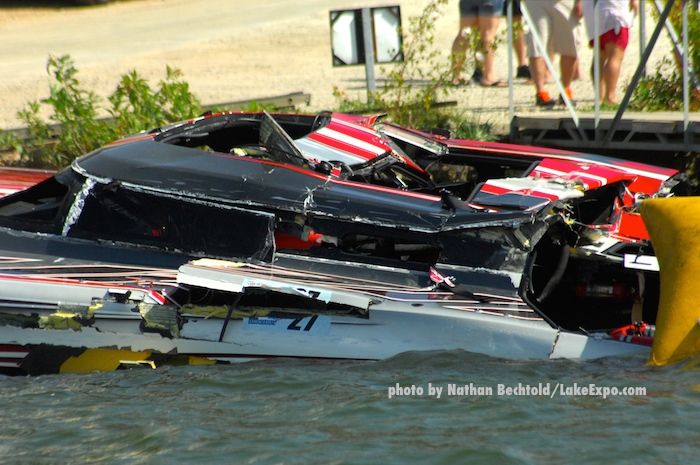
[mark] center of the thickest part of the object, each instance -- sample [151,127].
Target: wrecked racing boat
[326,236]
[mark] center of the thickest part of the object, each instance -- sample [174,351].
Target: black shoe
[478,75]
[523,72]
[544,100]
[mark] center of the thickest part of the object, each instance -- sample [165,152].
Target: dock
[640,132]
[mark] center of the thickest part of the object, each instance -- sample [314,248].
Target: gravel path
[228,50]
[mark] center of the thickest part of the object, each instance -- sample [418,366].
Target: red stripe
[157,296]
[496,190]
[14,348]
[364,133]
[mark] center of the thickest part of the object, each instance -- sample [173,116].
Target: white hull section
[384,334]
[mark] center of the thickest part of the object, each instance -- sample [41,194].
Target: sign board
[348,41]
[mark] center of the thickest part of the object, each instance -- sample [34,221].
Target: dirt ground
[228,50]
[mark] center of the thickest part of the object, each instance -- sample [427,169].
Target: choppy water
[307,412]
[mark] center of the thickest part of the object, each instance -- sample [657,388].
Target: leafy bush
[663,90]
[134,107]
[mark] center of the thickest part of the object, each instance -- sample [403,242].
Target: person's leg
[577,66]
[520,49]
[488,27]
[567,69]
[611,71]
[602,59]
[549,77]
[538,69]
[577,70]
[523,71]
[541,26]
[459,46]
[564,41]
[613,45]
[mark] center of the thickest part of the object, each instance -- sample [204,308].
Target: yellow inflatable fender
[674,227]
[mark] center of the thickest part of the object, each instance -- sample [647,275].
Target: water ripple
[288,411]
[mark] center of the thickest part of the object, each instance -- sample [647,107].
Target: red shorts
[620,40]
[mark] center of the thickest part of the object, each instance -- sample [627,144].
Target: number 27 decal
[294,325]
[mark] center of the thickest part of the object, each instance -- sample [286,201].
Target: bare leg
[488,26]
[539,72]
[611,71]
[602,58]
[567,67]
[459,46]
[552,57]
[577,70]
[520,49]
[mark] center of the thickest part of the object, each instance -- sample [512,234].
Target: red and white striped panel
[12,356]
[361,143]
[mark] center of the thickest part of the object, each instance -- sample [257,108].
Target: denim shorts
[480,7]
[516,8]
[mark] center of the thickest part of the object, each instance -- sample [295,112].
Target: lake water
[286,411]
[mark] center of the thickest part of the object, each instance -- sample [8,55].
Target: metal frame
[679,44]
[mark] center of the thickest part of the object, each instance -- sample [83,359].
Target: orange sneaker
[543,99]
[570,94]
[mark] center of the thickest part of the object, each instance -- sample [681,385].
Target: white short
[556,25]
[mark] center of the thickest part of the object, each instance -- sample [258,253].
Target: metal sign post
[642,32]
[511,102]
[596,68]
[368,39]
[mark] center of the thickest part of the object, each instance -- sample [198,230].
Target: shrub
[663,90]
[134,107]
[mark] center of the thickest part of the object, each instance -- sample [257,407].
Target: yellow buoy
[674,227]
